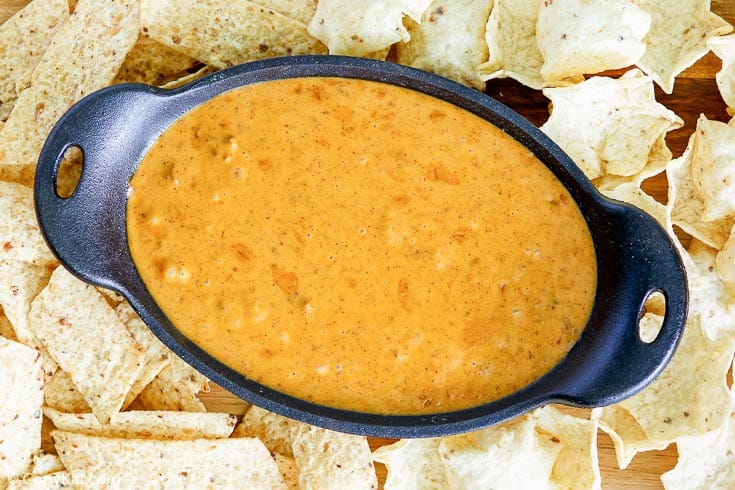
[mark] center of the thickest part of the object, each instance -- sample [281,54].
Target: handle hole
[652,317]
[69,172]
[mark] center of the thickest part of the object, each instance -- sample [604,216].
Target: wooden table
[695,92]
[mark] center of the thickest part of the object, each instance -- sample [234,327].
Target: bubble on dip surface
[361,246]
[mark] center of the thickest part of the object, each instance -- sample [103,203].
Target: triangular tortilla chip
[86,338]
[223,34]
[271,428]
[413,463]
[626,434]
[84,55]
[137,463]
[181,426]
[61,394]
[23,39]
[21,398]
[609,126]
[357,28]
[678,37]
[20,236]
[578,37]
[175,388]
[708,294]
[45,463]
[449,40]
[153,63]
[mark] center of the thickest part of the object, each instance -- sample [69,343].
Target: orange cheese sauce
[361,246]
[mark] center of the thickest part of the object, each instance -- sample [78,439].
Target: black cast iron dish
[116,126]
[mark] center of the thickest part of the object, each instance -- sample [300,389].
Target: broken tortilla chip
[175,388]
[147,424]
[578,37]
[20,236]
[609,126]
[626,434]
[331,460]
[23,39]
[61,394]
[153,63]
[224,34]
[45,463]
[21,398]
[287,468]
[677,38]
[138,463]
[357,28]
[269,427]
[413,463]
[86,338]
[84,55]
[449,40]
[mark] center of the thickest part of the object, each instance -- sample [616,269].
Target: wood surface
[695,92]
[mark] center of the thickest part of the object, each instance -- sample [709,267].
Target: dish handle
[86,230]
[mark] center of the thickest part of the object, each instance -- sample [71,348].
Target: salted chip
[449,40]
[56,480]
[23,39]
[709,297]
[511,455]
[706,461]
[175,388]
[357,28]
[138,463]
[61,394]
[713,168]
[153,63]
[147,424]
[21,398]
[84,55]
[677,38]
[413,463]
[223,34]
[626,434]
[269,427]
[688,205]
[510,35]
[691,396]
[156,354]
[287,468]
[724,48]
[19,284]
[20,237]
[576,465]
[86,338]
[609,126]
[331,460]
[577,37]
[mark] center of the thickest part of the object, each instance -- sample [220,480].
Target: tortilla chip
[84,55]
[299,10]
[713,168]
[510,455]
[688,205]
[85,337]
[578,37]
[707,461]
[271,428]
[19,284]
[61,394]
[156,354]
[175,388]
[332,460]
[51,481]
[691,396]
[147,425]
[223,34]
[708,295]
[658,160]
[289,472]
[20,236]
[725,265]
[21,398]
[137,463]
[609,126]
[153,63]
[23,39]
[724,48]
[44,463]
[576,465]
[678,37]
[510,34]
[190,77]
[413,463]
[449,40]
[6,329]
[626,434]
[357,28]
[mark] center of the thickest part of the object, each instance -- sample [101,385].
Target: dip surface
[361,246]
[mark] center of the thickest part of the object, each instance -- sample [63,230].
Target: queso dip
[361,246]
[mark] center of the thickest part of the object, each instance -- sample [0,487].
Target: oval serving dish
[115,128]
